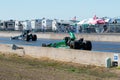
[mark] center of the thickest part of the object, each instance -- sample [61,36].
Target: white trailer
[47,24]
[36,24]
[2,25]
[26,25]
[54,25]
[18,25]
[7,25]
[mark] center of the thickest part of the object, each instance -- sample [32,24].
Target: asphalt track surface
[96,46]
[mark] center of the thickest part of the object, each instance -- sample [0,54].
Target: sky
[58,9]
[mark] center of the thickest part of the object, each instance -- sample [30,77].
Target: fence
[101,28]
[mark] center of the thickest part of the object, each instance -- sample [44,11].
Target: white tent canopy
[85,21]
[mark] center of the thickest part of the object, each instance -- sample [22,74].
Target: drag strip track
[97,46]
[39,42]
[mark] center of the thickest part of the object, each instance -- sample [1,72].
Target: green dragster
[71,42]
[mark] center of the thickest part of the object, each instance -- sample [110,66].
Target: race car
[26,35]
[72,43]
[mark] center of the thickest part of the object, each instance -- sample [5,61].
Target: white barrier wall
[91,37]
[67,55]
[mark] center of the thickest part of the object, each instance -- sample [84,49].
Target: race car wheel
[71,44]
[75,45]
[88,45]
[34,37]
[43,45]
[28,38]
[66,40]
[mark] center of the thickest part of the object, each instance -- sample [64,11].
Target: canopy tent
[92,21]
[85,25]
[85,21]
[96,21]
[108,20]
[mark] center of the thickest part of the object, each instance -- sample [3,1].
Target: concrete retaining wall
[92,37]
[67,55]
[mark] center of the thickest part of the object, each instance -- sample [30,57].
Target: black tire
[28,38]
[13,38]
[67,40]
[43,45]
[88,45]
[71,44]
[34,37]
[75,45]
